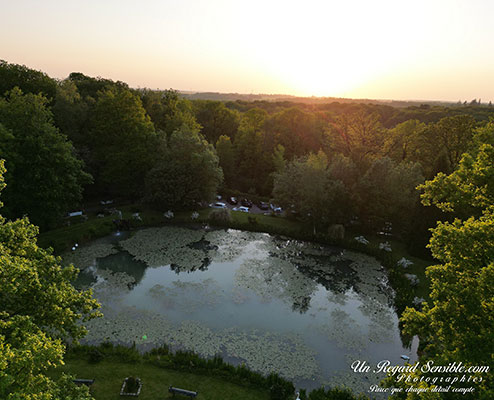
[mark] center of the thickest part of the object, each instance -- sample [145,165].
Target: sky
[379,49]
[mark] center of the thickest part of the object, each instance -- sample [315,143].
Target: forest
[425,170]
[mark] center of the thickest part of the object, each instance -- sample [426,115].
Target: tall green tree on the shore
[457,323]
[226,155]
[122,143]
[309,187]
[45,177]
[39,310]
[186,171]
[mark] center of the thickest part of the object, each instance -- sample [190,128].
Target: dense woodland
[94,138]
[82,139]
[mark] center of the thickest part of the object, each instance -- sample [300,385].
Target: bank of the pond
[65,237]
[109,375]
[214,379]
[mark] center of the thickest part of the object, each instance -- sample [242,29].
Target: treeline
[333,163]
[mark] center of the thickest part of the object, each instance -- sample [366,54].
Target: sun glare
[331,48]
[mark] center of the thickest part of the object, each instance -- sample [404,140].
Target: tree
[39,310]
[438,147]
[278,158]
[186,171]
[168,110]
[456,324]
[386,193]
[298,131]
[45,177]
[70,113]
[399,143]
[216,119]
[226,155]
[89,88]
[122,141]
[27,79]
[306,186]
[253,161]
[359,136]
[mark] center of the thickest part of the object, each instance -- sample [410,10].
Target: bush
[279,388]
[95,356]
[132,384]
[126,354]
[221,216]
[252,220]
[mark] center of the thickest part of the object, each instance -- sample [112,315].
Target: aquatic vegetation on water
[188,297]
[342,299]
[167,245]
[85,256]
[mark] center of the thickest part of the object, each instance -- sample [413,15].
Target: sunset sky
[423,50]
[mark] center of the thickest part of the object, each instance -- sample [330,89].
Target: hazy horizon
[383,50]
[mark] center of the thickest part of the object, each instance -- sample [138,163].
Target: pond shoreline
[259,292]
[64,238]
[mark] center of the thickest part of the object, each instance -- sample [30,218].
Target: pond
[300,309]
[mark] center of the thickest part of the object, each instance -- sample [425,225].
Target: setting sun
[380,49]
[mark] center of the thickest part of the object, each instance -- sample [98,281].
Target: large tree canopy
[45,177]
[216,120]
[121,140]
[39,309]
[186,171]
[313,188]
[168,110]
[27,79]
[386,193]
[457,323]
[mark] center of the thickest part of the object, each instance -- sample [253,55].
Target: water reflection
[123,262]
[270,302]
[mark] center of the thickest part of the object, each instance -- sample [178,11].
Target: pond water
[300,309]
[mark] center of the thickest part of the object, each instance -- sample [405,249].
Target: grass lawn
[418,267]
[109,376]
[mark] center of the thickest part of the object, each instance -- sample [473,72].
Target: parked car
[246,203]
[233,200]
[241,208]
[263,205]
[217,205]
[276,209]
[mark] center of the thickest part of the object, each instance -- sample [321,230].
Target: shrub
[220,216]
[94,355]
[126,354]
[131,385]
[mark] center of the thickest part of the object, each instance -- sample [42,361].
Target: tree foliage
[226,155]
[186,171]
[122,141]
[216,120]
[386,193]
[168,110]
[456,324]
[359,136]
[45,177]
[27,79]
[311,187]
[39,309]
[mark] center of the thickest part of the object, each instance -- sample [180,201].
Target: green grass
[418,267]
[109,376]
